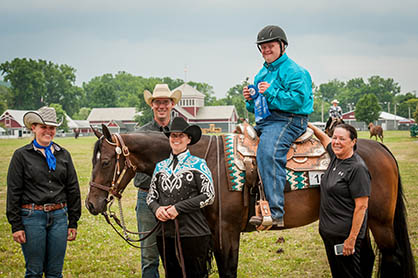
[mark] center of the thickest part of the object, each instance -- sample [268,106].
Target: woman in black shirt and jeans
[345,191]
[43,197]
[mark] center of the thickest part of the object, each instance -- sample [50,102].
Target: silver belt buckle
[45,207]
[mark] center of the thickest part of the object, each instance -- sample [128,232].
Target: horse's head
[370,126]
[112,170]
[330,129]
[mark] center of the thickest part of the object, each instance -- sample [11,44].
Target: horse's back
[384,174]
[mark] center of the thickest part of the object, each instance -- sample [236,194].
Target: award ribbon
[261,109]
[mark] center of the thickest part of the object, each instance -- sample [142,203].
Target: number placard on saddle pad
[315,177]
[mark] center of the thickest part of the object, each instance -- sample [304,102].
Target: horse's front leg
[226,230]
[226,255]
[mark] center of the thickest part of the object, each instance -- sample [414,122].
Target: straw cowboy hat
[335,101]
[180,125]
[45,115]
[161,91]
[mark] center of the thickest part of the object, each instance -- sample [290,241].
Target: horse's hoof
[280,251]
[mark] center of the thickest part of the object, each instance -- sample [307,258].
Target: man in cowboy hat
[161,101]
[335,112]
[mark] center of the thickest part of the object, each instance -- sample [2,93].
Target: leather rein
[115,191]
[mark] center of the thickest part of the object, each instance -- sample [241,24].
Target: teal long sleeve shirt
[290,87]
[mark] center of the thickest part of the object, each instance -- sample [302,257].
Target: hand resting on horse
[165,213]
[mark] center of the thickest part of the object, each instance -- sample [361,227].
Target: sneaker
[278,222]
[256,220]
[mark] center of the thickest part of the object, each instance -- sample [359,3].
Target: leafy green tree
[320,106]
[4,98]
[367,109]
[101,91]
[234,97]
[61,116]
[383,89]
[405,104]
[3,106]
[413,103]
[37,83]
[329,91]
[82,114]
[27,80]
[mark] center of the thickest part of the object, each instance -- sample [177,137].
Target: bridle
[115,191]
[120,148]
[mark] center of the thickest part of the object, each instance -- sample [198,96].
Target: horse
[228,216]
[331,124]
[376,130]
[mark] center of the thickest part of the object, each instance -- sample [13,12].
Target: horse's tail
[400,225]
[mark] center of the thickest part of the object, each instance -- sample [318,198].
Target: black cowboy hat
[180,125]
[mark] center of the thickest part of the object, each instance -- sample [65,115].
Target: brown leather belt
[143,190]
[45,207]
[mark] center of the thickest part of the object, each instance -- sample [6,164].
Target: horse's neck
[207,143]
[147,149]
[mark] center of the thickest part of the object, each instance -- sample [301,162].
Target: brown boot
[278,222]
[256,220]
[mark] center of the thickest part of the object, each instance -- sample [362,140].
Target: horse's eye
[105,163]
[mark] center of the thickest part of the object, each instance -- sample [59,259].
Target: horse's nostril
[89,206]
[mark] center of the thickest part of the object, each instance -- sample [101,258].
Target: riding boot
[256,220]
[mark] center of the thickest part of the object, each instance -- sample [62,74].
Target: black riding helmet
[271,33]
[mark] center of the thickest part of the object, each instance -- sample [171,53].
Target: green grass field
[99,252]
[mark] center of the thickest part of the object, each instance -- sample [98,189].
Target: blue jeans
[278,132]
[46,242]
[146,221]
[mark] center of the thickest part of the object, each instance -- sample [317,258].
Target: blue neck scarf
[50,158]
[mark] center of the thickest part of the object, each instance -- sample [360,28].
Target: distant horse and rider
[335,117]
[376,131]
[228,216]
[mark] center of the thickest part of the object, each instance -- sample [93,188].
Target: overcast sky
[214,39]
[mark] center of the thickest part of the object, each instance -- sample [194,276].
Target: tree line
[366,98]
[29,84]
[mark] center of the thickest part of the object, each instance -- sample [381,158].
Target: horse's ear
[96,132]
[106,133]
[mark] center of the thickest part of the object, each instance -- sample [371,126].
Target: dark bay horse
[228,215]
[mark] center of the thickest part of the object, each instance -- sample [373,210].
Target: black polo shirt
[343,181]
[29,181]
[143,180]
